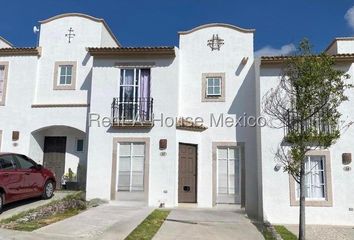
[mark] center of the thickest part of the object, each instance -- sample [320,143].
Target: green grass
[149,227]
[285,233]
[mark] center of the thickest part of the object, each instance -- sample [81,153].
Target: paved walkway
[24,205]
[213,224]
[315,232]
[108,221]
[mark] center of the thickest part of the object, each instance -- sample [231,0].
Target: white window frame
[66,75]
[228,169]
[309,172]
[219,79]
[57,85]
[132,155]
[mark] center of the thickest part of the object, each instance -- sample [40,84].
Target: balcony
[314,126]
[128,112]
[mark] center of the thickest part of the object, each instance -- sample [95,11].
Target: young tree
[305,103]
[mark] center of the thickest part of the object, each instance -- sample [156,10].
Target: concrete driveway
[213,224]
[105,222]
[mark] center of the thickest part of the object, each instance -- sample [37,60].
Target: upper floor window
[66,73]
[65,76]
[3,81]
[213,87]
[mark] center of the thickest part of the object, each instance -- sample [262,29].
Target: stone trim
[116,140]
[328,202]
[206,98]
[6,65]
[215,146]
[60,105]
[135,64]
[56,85]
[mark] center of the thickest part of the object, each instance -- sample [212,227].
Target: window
[3,81]
[317,180]
[213,87]
[134,94]
[6,162]
[229,171]
[131,167]
[24,162]
[65,76]
[79,145]
[66,73]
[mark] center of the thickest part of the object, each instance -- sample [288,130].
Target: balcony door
[134,94]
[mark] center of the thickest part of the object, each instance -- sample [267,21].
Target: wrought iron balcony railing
[317,123]
[129,111]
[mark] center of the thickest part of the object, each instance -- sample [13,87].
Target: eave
[274,60]
[29,51]
[131,51]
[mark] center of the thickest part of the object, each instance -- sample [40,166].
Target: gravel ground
[315,232]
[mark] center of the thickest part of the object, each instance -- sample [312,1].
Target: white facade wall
[276,193]
[105,86]
[197,58]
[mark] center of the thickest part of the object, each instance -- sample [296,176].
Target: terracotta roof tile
[131,51]
[265,60]
[26,51]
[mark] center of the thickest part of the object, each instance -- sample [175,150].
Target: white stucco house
[165,126]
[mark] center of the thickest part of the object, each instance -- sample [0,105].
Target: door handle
[27,173]
[5,174]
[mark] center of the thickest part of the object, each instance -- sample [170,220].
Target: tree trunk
[302,202]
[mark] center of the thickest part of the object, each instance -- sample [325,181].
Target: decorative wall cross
[215,42]
[70,35]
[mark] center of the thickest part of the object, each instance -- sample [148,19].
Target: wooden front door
[187,173]
[54,156]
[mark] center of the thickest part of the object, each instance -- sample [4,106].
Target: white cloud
[349,16]
[270,51]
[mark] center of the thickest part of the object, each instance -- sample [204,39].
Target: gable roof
[217,25]
[100,20]
[29,51]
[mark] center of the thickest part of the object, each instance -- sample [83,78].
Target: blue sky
[278,23]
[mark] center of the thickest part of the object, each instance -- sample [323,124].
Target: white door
[229,175]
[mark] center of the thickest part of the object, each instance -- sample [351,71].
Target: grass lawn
[149,227]
[47,214]
[282,231]
[285,233]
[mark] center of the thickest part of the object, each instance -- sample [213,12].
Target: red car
[22,178]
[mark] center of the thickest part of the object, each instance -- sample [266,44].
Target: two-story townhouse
[160,158]
[45,92]
[163,126]
[329,195]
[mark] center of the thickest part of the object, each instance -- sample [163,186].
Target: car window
[24,163]
[6,162]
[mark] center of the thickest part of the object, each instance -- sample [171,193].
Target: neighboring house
[127,120]
[330,195]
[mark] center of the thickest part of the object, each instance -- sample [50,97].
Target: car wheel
[1,201]
[48,190]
